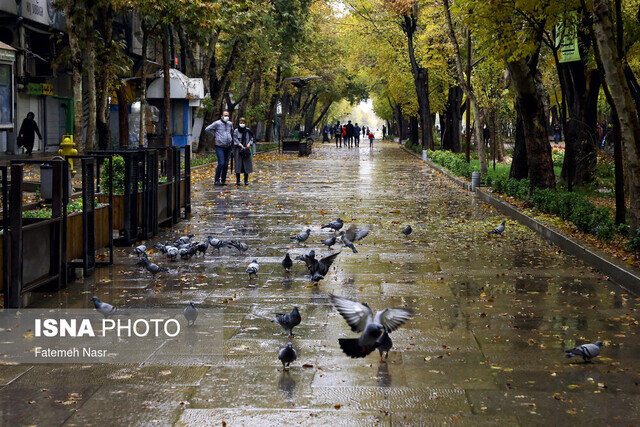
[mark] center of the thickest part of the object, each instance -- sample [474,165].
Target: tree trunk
[519,165]
[143,88]
[73,28]
[468,90]
[91,79]
[166,133]
[534,125]
[499,138]
[413,125]
[123,116]
[451,119]
[624,104]
[273,105]
[103,80]
[621,203]
[421,83]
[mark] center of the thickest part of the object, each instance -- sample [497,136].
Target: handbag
[245,153]
[20,141]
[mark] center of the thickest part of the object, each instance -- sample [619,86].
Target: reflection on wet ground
[486,345]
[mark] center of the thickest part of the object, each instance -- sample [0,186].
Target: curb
[615,270]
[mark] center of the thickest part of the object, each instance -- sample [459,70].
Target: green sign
[40,89]
[567,39]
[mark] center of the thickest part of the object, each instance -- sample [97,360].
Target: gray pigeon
[201,248]
[354,233]
[499,229]
[240,246]
[151,267]
[185,240]
[407,230]
[587,351]
[335,225]
[302,237]
[287,263]
[172,252]
[360,318]
[162,248]
[330,241]
[191,314]
[106,309]
[253,268]
[185,253]
[321,266]
[348,243]
[216,243]
[287,355]
[289,321]
[309,259]
[384,344]
[140,250]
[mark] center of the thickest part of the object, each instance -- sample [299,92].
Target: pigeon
[321,266]
[185,240]
[151,267]
[286,262]
[302,237]
[185,253]
[201,248]
[330,241]
[354,233]
[240,246]
[587,351]
[407,230]
[309,259]
[162,248]
[253,268]
[287,355]
[384,344]
[499,229]
[191,314]
[348,243]
[172,252]
[316,277]
[335,225]
[106,309]
[139,250]
[361,319]
[289,321]
[216,243]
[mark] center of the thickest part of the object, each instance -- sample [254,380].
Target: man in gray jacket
[222,131]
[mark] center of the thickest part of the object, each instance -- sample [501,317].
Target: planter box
[165,201]
[74,232]
[118,208]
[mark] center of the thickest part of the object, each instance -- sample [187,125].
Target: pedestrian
[356,135]
[344,135]
[222,131]
[384,131]
[486,135]
[349,133]
[337,132]
[242,140]
[28,129]
[325,134]
[371,138]
[364,131]
[556,132]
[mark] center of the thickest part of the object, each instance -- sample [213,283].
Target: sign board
[41,11]
[40,89]
[7,55]
[279,108]
[567,39]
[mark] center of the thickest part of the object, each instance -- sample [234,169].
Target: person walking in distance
[384,131]
[356,135]
[344,135]
[349,133]
[243,140]
[371,138]
[222,131]
[28,131]
[337,131]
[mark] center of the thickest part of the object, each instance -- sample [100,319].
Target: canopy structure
[182,87]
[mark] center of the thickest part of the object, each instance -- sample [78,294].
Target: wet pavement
[493,315]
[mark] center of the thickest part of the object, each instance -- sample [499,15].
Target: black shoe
[237,183]
[246,183]
[218,183]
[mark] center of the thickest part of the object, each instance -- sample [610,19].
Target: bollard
[475,180]
[424,156]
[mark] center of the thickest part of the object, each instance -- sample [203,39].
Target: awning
[182,87]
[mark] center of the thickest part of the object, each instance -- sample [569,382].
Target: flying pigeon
[289,321]
[587,351]
[335,225]
[302,237]
[407,230]
[354,233]
[348,243]
[361,319]
[139,250]
[107,309]
[321,266]
[330,241]
[384,344]
[499,229]
[151,267]
[253,268]
[286,262]
[240,246]
[191,314]
[287,355]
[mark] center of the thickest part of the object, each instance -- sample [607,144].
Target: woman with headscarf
[242,140]
[26,136]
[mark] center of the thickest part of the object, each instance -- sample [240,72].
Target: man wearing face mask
[222,131]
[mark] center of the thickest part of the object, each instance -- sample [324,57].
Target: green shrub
[118,175]
[633,245]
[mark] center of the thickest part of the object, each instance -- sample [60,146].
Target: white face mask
[225,118]
[242,125]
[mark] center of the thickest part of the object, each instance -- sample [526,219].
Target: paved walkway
[485,347]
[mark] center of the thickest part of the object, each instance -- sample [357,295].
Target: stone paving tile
[493,315]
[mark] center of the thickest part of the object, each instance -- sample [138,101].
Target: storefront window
[5,94]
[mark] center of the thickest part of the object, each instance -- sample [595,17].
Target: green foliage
[118,175]
[558,158]
[204,159]
[456,163]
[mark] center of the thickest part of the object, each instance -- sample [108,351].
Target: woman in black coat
[242,140]
[26,136]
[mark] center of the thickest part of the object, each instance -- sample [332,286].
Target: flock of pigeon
[374,329]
